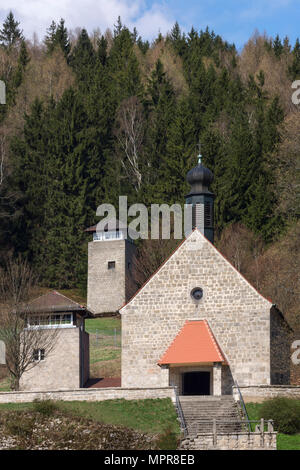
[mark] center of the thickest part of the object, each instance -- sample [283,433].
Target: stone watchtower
[110,268]
[201,199]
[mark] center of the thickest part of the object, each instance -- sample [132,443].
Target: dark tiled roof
[55,302]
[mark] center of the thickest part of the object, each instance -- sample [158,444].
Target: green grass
[284,441]
[150,416]
[106,325]
[104,354]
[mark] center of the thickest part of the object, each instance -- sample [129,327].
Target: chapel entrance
[196,383]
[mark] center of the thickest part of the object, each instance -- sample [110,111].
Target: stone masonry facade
[232,441]
[237,314]
[61,368]
[260,393]
[89,394]
[107,288]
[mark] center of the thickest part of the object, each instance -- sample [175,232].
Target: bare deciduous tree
[130,134]
[242,248]
[21,341]
[149,257]
[288,167]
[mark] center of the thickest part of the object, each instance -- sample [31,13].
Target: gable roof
[197,231]
[195,343]
[55,302]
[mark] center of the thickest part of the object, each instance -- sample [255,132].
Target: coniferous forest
[90,117]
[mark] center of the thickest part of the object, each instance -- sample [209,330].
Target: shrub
[21,427]
[285,412]
[45,407]
[168,440]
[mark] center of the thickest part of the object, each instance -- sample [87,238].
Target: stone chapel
[197,323]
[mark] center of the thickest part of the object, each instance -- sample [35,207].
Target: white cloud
[36,15]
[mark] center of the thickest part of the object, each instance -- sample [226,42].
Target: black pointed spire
[202,200]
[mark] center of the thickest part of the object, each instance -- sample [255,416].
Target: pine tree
[294,69]
[179,156]
[57,36]
[62,37]
[277,46]
[83,59]
[102,51]
[23,60]
[123,67]
[10,34]
[50,38]
[161,109]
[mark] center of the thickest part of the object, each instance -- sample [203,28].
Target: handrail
[243,407]
[180,412]
[259,428]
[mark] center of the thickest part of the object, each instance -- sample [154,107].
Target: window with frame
[39,355]
[61,320]
[111,265]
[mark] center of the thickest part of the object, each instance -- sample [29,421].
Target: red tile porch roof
[195,343]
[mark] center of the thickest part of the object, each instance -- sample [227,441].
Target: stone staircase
[199,412]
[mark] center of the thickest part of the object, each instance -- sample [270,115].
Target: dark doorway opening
[196,383]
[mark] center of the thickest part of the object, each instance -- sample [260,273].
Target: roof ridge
[214,340]
[158,269]
[176,336]
[193,344]
[196,229]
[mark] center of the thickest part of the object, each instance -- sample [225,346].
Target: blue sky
[234,20]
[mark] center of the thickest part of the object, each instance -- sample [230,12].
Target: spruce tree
[83,59]
[294,68]
[10,34]
[57,36]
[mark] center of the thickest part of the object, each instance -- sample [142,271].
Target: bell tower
[201,199]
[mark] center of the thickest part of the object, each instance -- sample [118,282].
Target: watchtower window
[111,265]
[39,354]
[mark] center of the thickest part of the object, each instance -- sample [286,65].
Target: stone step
[200,411]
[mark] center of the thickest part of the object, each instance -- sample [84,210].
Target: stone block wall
[263,392]
[85,357]
[238,316]
[89,394]
[232,441]
[107,288]
[281,339]
[60,368]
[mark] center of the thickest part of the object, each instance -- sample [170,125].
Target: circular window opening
[197,294]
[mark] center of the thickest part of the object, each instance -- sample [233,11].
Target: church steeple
[202,200]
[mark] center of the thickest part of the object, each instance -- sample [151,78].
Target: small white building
[67,364]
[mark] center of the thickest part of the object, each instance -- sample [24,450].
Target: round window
[197,294]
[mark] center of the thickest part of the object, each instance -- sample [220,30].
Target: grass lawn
[104,354]
[105,346]
[284,441]
[149,416]
[106,325]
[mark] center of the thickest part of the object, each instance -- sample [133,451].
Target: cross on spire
[199,154]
